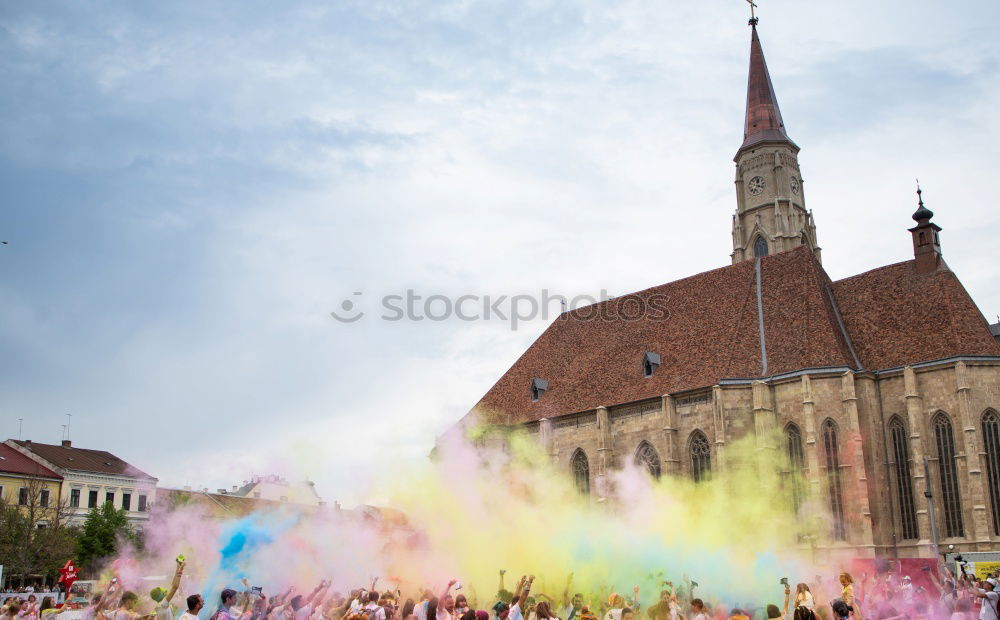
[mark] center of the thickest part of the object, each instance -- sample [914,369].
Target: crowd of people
[886,596]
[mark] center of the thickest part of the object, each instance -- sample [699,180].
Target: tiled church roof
[710,332]
[896,317]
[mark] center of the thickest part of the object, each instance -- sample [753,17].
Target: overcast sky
[189,188]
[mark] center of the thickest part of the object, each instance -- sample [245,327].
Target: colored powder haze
[471,514]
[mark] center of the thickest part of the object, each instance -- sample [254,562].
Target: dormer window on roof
[650,362]
[538,387]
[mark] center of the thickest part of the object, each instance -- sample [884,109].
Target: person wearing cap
[162,597]
[906,590]
[988,611]
[617,604]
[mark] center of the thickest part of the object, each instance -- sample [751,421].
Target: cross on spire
[753,17]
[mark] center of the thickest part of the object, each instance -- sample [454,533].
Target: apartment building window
[126,501]
[109,497]
[22,496]
[92,499]
[142,503]
[74,498]
[43,498]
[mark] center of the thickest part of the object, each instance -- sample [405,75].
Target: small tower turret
[926,241]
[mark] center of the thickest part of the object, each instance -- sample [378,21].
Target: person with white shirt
[194,605]
[617,605]
[302,607]
[520,598]
[698,610]
[990,601]
[162,597]
[373,611]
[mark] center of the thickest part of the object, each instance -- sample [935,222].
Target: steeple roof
[763,117]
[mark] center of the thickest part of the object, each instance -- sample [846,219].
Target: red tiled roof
[896,316]
[82,459]
[222,505]
[893,316]
[13,462]
[710,332]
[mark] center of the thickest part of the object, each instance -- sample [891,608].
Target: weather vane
[753,18]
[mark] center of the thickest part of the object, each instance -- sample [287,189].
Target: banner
[979,569]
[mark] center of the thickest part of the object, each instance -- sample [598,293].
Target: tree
[35,538]
[104,529]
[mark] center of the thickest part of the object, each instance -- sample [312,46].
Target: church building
[855,382]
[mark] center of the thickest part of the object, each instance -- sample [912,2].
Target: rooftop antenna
[20,421]
[753,18]
[64,431]
[69,420]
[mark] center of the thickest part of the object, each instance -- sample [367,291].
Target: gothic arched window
[944,437]
[581,472]
[647,458]
[904,484]
[991,445]
[701,457]
[796,462]
[833,479]
[760,247]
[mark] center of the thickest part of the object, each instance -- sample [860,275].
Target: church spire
[771,215]
[763,117]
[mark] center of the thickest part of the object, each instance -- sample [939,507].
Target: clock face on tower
[756,185]
[795,185]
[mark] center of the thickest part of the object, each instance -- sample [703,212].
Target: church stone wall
[861,406]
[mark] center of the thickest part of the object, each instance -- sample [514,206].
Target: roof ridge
[56,445]
[864,273]
[741,264]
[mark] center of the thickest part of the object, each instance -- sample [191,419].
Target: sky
[189,189]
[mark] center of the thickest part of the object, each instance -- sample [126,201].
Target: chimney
[926,243]
[66,443]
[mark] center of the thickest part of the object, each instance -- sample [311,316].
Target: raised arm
[323,585]
[517,590]
[501,588]
[569,582]
[176,583]
[524,591]
[104,597]
[447,589]
[788,594]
